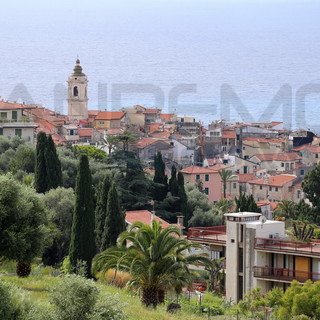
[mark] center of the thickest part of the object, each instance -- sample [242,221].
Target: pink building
[210,178]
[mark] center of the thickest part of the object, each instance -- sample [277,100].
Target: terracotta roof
[155,127]
[245,177]
[161,135]
[110,115]
[228,134]
[259,169]
[301,147]
[93,112]
[46,126]
[263,139]
[114,131]
[213,161]
[152,110]
[167,116]
[4,105]
[177,135]
[275,181]
[144,142]
[198,170]
[85,132]
[287,156]
[144,216]
[313,149]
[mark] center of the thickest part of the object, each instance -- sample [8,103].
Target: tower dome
[77,70]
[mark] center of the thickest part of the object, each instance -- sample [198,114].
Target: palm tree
[286,209]
[155,258]
[225,175]
[223,206]
[111,141]
[214,269]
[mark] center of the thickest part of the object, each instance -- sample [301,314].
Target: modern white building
[258,254]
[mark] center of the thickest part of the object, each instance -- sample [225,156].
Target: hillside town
[248,178]
[266,160]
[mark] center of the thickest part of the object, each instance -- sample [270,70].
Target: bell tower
[77,94]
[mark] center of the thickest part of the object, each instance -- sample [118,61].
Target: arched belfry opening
[75,91]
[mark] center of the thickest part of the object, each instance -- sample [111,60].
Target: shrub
[7,310]
[77,298]
[74,298]
[121,280]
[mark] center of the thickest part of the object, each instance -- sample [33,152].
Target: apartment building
[258,254]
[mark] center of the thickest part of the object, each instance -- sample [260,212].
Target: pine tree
[115,220]
[101,209]
[82,245]
[41,179]
[173,183]
[53,165]
[160,179]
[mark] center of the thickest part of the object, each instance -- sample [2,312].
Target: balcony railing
[212,235]
[290,246]
[283,274]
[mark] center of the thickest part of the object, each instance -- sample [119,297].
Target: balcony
[286,275]
[209,235]
[288,246]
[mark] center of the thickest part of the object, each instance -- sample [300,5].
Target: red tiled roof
[93,113]
[161,135]
[301,147]
[114,131]
[228,134]
[177,135]
[110,115]
[145,217]
[151,110]
[85,132]
[144,142]
[155,127]
[4,105]
[287,156]
[275,181]
[313,149]
[263,139]
[245,177]
[46,126]
[167,116]
[198,170]
[213,162]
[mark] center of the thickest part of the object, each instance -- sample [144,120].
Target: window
[14,115]
[206,190]
[3,115]
[1,131]
[243,148]
[101,122]
[18,132]
[75,91]
[206,177]
[234,185]
[302,172]
[238,137]
[246,157]
[298,194]
[260,187]
[245,169]
[317,155]
[282,164]
[270,188]
[198,177]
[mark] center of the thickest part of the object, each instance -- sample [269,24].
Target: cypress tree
[115,220]
[82,244]
[101,209]
[40,179]
[160,179]
[53,165]
[173,183]
[183,199]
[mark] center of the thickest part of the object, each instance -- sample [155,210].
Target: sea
[237,60]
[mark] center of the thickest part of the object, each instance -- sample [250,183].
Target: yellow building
[109,119]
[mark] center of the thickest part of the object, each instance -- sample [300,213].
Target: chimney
[180,220]
[152,217]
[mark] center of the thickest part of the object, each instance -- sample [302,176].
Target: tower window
[75,91]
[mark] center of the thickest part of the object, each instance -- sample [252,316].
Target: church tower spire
[77,94]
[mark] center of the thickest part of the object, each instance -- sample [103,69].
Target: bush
[74,298]
[77,298]
[121,280]
[7,310]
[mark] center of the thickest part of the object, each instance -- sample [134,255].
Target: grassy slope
[38,288]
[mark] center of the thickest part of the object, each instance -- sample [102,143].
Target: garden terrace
[209,235]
